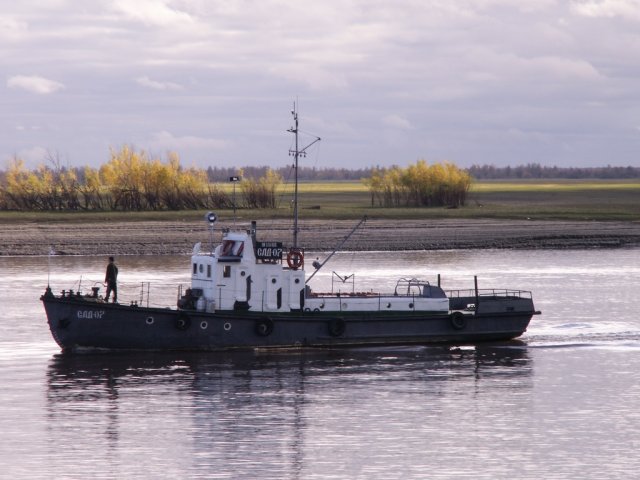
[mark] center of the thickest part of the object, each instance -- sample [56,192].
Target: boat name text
[91,314]
[269,250]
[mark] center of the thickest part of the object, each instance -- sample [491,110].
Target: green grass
[584,200]
[554,186]
[559,200]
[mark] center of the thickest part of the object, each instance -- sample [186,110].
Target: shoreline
[179,237]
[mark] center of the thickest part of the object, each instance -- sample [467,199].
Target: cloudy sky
[502,82]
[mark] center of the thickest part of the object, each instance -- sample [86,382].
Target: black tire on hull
[337,327]
[458,320]
[264,327]
[183,322]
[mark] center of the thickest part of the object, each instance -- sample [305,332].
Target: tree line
[478,172]
[222,174]
[537,171]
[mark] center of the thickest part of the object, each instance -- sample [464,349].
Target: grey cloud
[489,81]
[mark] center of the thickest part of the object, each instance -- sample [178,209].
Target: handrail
[489,292]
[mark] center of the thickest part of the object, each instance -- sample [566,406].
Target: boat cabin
[242,274]
[239,276]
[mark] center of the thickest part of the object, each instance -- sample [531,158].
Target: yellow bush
[440,184]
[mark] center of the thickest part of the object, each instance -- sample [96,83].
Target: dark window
[195,268]
[208,271]
[226,272]
[279,298]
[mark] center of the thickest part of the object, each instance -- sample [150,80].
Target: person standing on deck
[110,279]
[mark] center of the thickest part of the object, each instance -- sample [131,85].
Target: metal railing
[129,293]
[489,292]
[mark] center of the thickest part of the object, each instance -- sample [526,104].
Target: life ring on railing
[295,258]
[458,320]
[183,322]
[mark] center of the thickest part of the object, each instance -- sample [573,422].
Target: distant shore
[178,237]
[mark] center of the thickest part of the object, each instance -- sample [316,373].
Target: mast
[297,153]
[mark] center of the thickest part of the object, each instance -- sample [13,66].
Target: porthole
[273,280]
[204,325]
[227,326]
[149,320]
[411,305]
[296,281]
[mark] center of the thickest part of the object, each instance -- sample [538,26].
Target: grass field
[588,200]
[564,199]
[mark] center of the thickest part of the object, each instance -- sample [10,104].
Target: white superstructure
[233,277]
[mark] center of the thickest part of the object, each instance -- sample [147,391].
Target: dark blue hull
[79,323]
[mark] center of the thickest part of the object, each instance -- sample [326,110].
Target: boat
[246,293]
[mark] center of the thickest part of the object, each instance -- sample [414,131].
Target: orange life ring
[295,258]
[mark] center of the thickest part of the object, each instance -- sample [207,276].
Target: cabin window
[208,271]
[195,268]
[279,298]
[227,247]
[226,271]
[237,249]
[248,288]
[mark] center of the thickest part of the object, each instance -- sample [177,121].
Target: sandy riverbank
[161,238]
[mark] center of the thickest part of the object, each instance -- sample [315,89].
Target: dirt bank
[129,238]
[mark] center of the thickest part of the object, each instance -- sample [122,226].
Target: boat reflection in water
[268,414]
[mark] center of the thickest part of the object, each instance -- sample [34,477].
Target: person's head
[111,259]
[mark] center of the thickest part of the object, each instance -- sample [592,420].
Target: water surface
[563,402]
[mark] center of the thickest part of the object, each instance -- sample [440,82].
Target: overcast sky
[503,82]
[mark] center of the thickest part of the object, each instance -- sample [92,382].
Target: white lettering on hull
[91,314]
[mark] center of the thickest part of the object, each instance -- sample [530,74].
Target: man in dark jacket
[110,279]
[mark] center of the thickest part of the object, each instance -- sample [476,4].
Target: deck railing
[489,292]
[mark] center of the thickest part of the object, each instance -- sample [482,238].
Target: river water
[564,402]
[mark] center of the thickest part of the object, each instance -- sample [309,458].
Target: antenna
[296,152]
